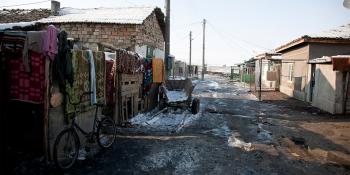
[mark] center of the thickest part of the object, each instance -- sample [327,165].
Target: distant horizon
[236,30]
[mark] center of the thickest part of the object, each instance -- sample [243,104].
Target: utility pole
[203,61]
[167,39]
[190,65]
[260,74]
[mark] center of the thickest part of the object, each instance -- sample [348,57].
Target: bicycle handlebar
[80,99]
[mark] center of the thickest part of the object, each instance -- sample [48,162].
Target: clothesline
[68,70]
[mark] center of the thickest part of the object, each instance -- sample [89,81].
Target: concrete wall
[295,88]
[266,85]
[318,50]
[328,91]
[299,88]
[57,124]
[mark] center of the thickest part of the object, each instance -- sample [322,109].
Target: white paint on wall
[158,53]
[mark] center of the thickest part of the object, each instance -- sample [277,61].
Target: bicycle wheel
[106,133]
[66,149]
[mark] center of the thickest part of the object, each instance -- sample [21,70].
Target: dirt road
[233,134]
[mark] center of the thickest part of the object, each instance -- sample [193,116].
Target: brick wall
[119,35]
[150,33]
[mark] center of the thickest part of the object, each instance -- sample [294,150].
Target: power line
[130,2]
[189,24]
[24,4]
[222,36]
[181,37]
[248,42]
[185,26]
[236,38]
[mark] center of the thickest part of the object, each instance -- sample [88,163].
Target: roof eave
[307,39]
[265,55]
[292,44]
[88,22]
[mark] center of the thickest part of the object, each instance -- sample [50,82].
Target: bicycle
[67,143]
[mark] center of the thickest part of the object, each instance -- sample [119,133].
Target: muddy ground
[234,133]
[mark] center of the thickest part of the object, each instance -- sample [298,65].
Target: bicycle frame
[69,151]
[77,127]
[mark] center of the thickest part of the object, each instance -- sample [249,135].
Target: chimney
[55,7]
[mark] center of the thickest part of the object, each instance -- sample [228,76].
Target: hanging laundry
[35,40]
[158,70]
[110,78]
[50,42]
[27,87]
[90,58]
[128,62]
[16,43]
[100,75]
[110,56]
[81,80]
[148,77]
[62,64]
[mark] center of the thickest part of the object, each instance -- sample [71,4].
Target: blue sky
[236,29]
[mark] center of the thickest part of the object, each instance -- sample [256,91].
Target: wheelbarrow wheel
[195,106]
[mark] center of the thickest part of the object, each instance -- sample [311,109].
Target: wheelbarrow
[178,94]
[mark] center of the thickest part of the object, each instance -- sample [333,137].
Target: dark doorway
[312,81]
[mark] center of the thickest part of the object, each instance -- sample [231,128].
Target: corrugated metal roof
[341,33]
[123,15]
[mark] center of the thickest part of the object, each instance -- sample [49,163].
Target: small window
[290,71]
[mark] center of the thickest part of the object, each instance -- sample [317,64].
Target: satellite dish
[346,4]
